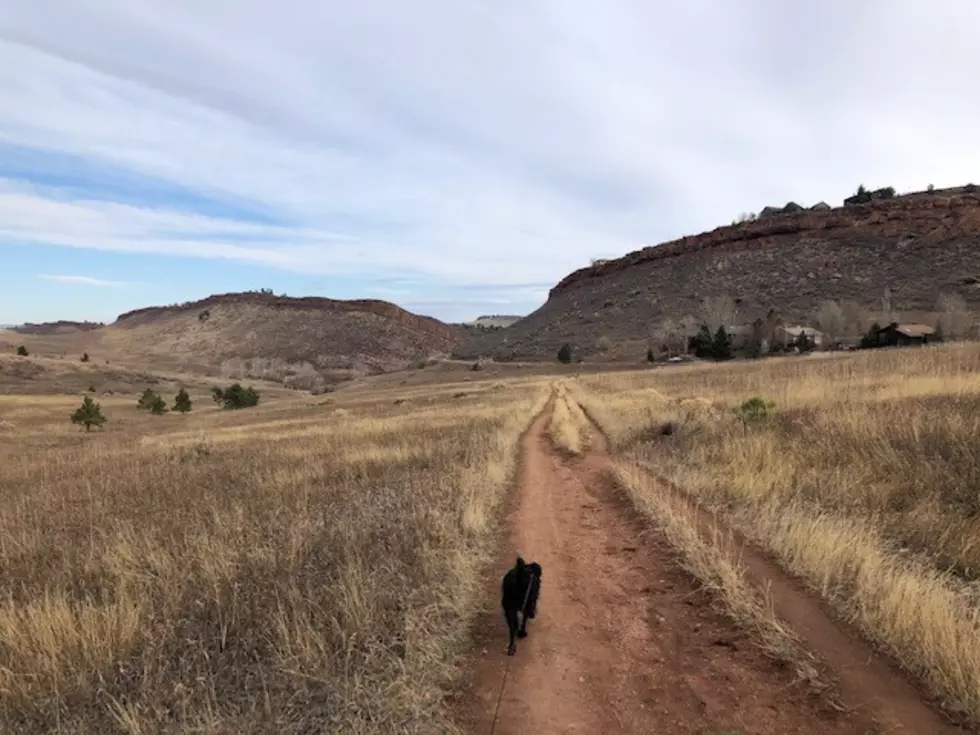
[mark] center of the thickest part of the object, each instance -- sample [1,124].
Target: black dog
[520,589]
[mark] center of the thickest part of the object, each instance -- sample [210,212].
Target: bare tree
[717,311]
[670,335]
[830,319]
[689,328]
[887,312]
[856,319]
[955,317]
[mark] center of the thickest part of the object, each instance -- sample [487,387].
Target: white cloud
[83,280]
[486,144]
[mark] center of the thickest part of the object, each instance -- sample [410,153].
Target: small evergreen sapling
[146,400]
[89,414]
[158,406]
[22,351]
[182,402]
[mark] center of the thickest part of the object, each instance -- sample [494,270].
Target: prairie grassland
[305,565]
[568,428]
[865,481]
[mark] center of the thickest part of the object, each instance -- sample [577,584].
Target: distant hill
[301,342]
[58,327]
[918,246]
[495,321]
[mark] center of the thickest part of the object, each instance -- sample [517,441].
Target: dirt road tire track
[625,641]
[871,684]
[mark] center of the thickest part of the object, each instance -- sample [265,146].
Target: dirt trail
[624,641]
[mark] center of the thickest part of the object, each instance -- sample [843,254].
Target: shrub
[754,411]
[650,356]
[565,353]
[804,343]
[235,397]
[182,402]
[85,357]
[89,414]
[22,351]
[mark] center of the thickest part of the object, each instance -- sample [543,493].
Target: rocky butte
[917,245]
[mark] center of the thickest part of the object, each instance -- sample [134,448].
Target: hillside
[302,342]
[917,246]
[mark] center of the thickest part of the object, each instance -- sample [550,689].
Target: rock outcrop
[917,246]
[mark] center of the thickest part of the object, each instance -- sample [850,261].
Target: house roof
[797,331]
[910,330]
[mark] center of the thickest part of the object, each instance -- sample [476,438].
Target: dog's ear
[536,569]
[520,564]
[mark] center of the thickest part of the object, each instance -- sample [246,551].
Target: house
[787,335]
[905,334]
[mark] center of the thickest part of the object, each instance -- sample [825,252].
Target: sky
[455,157]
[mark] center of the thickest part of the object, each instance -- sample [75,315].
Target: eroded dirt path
[624,641]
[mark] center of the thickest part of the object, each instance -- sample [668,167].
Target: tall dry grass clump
[863,481]
[284,569]
[568,428]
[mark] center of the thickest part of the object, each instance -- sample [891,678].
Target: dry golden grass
[568,428]
[301,565]
[864,482]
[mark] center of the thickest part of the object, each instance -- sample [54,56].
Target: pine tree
[89,414]
[22,351]
[145,403]
[703,344]
[721,347]
[158,406]
[182,402]
[870,338]
[650,355]
[565,354]
[85,357]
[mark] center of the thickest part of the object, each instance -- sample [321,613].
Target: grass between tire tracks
[568,427]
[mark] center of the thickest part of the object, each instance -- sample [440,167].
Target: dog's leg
[522,631]
[511,616]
